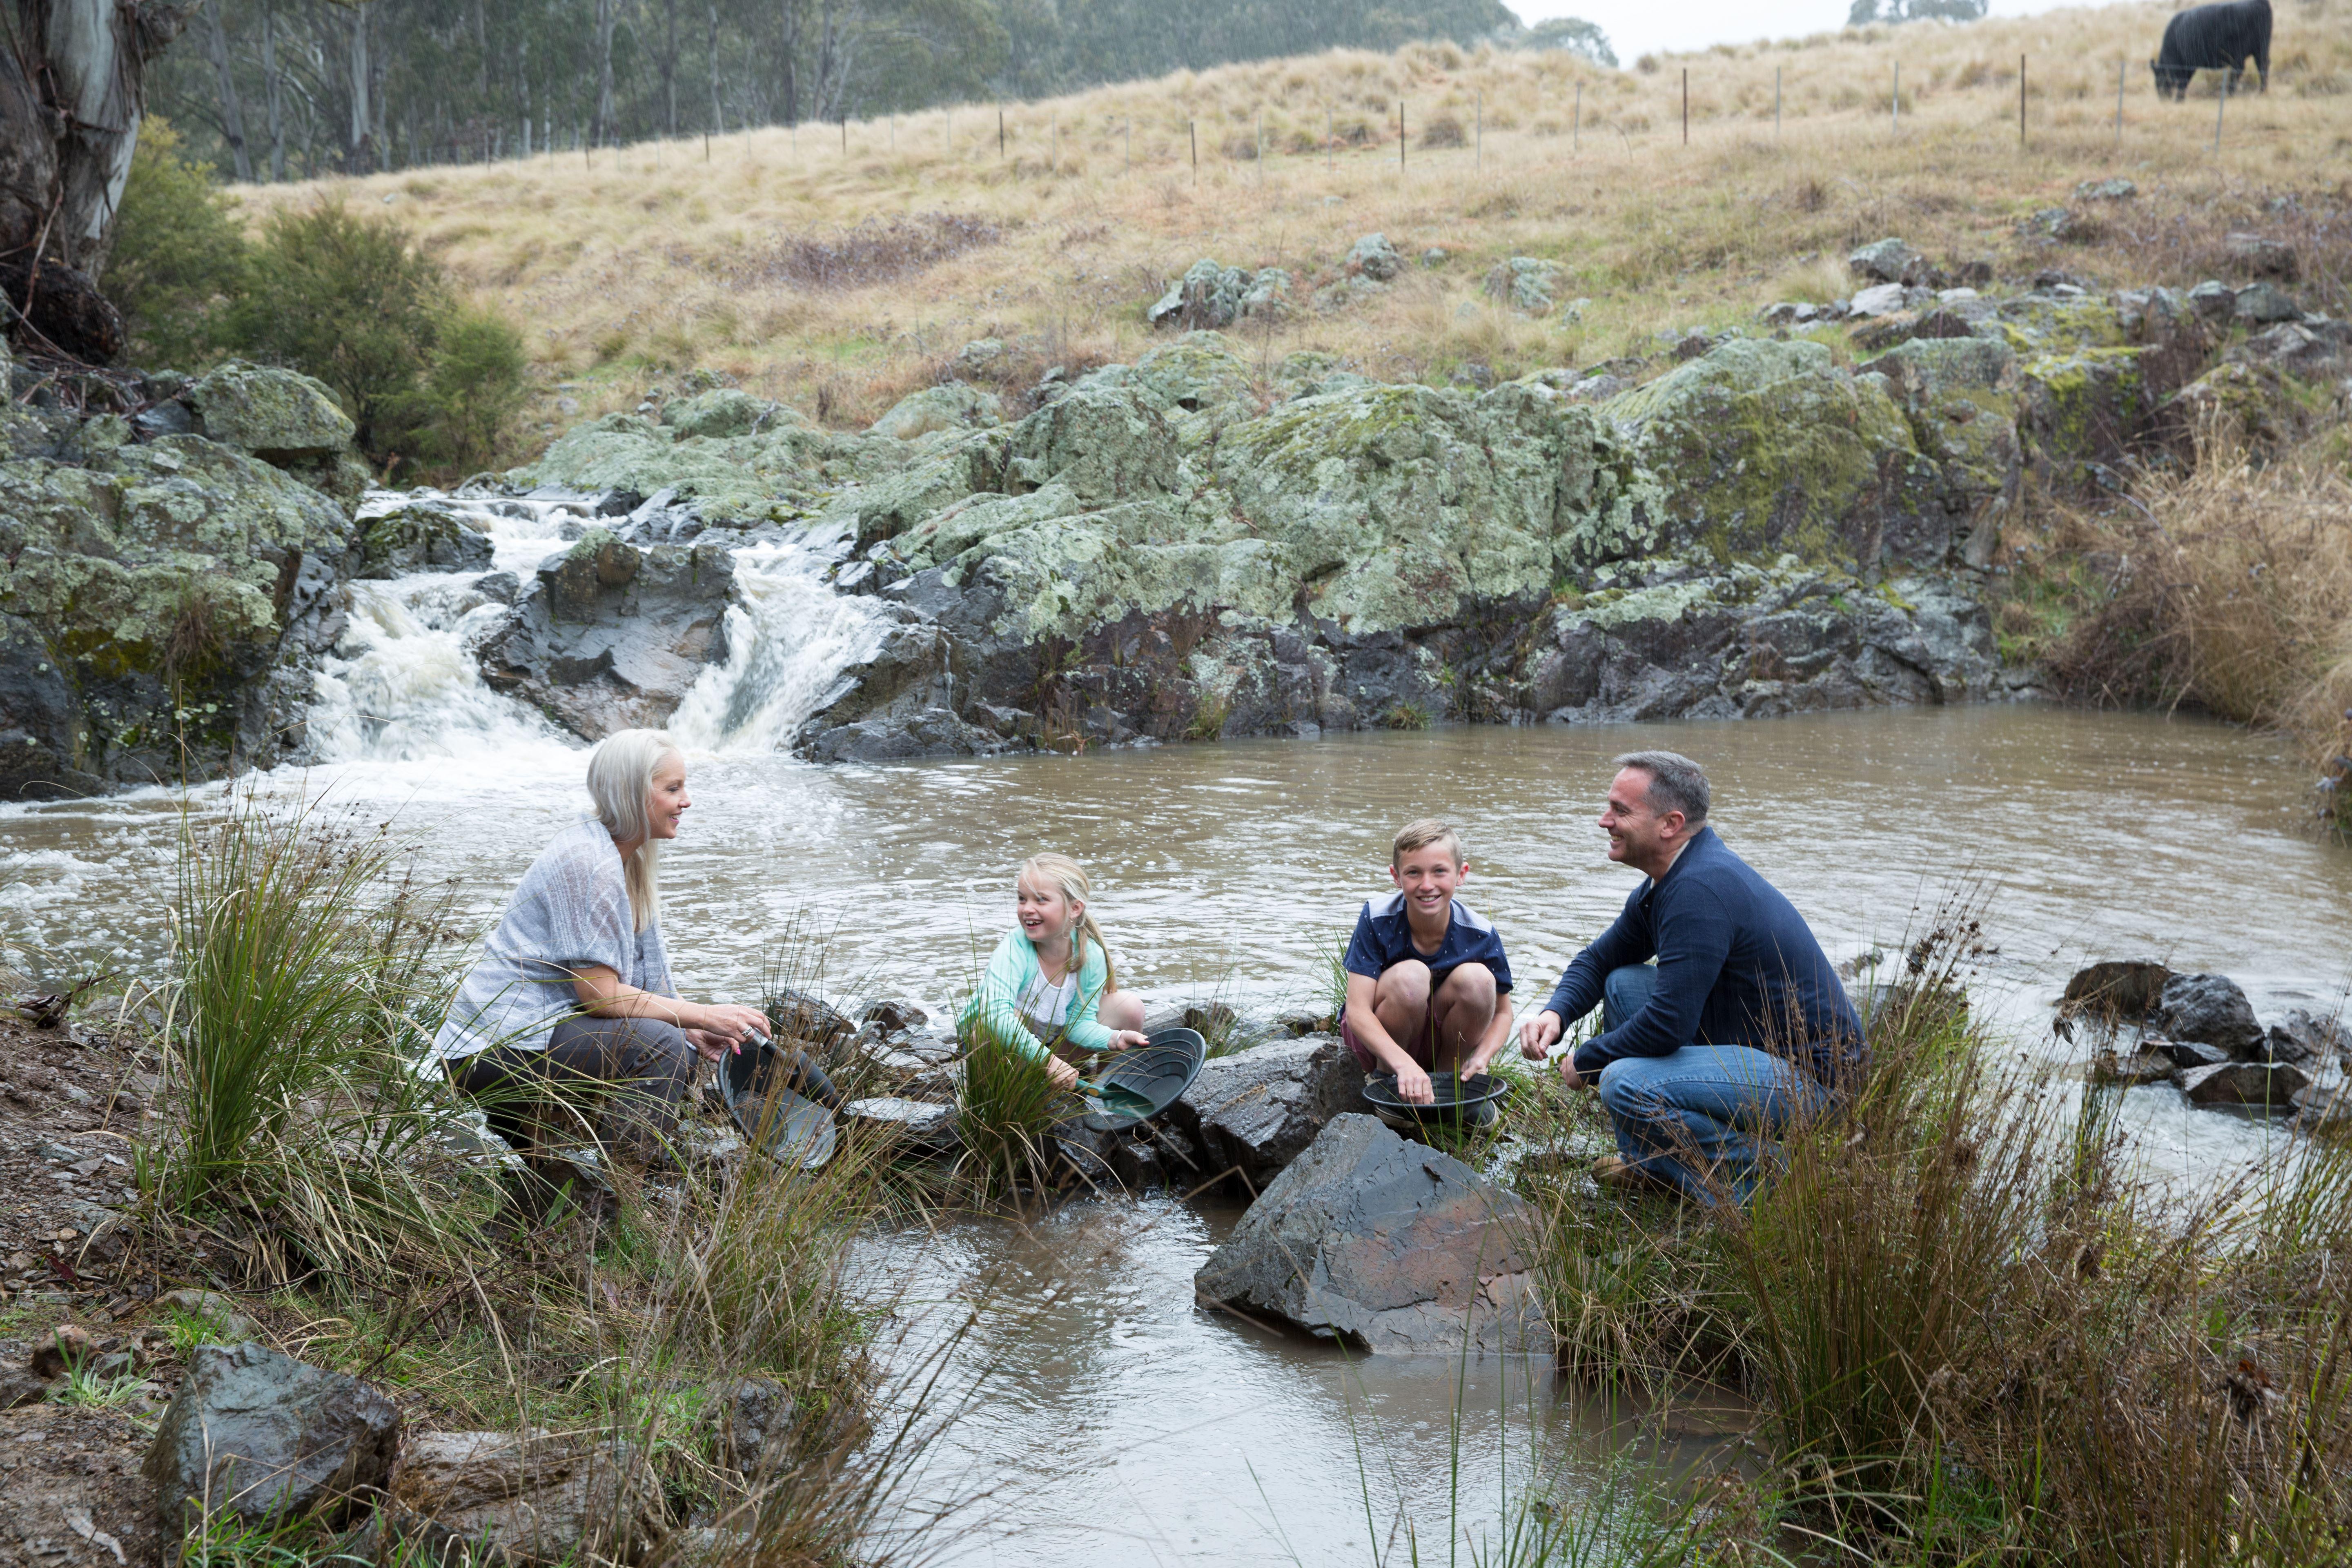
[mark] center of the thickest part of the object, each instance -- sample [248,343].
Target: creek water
[1106,1401]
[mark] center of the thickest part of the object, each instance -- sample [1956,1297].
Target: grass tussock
[2228,589]
[1977,1337]
[1097,202]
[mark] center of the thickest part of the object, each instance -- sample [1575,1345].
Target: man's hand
[1569,1075]
[1540,1034]
[1412,1085]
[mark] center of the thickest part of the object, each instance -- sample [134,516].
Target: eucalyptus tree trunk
[602,133]
[71,95]
[273,91]
[357,155]
[232,107]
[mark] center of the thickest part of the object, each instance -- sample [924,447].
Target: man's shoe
[1613,1172]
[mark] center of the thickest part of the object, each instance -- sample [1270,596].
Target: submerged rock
[1391,1248]
[266,1437]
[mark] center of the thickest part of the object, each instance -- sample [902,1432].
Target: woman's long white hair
[621,782]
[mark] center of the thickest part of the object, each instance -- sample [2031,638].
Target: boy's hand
[1412,1085]
[1540,1034]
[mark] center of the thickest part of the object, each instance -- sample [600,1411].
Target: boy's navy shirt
[1384,938]
[1737,966]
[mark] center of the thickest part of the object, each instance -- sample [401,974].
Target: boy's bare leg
[1401,1003]
[1464,1005]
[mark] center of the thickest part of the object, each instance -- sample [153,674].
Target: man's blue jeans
[1700,1111]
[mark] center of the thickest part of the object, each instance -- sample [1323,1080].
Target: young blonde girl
[1050,981]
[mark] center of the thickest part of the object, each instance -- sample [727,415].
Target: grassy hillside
[661,258]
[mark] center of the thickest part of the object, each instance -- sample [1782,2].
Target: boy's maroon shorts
[1423,1050]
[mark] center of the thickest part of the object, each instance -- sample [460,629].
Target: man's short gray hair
[1676,783]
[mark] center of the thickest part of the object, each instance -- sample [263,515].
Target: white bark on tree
[232,108]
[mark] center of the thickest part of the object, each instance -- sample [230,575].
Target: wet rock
[2263,303]
[2262,256]
[527,1497]
[2211,1010]
[421,537]
[2127,989]
[928,1127]
[2141,1067]
[265,1437]
[2185,1054]
[2302,1036]
[808,1020]
[1374,258]
[608,636]
[1391,1248]
[2243,1083]
[749,1422]
[2325,1109]
[1258,1110]
[953,406]
[895,1017]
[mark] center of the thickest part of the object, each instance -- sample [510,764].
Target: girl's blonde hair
[1050,871]
[621,782]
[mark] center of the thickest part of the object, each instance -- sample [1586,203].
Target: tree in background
[1865,12]
[1572,34]
[72,92]
[289,89]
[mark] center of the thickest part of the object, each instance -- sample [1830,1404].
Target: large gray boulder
[1391,1248]
[266,1437]
[526,1498]
[2244,1083]
[2211,1010]
[608,636]
[1256,1110]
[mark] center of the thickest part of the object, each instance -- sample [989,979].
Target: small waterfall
[402,685]
[788,638]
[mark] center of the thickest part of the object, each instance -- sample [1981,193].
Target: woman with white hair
[572,991]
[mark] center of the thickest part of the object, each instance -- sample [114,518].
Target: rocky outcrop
[608,636]
[266,1437]
[164,594]
[1391,1248]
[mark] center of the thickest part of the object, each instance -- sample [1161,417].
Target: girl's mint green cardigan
[995,1008]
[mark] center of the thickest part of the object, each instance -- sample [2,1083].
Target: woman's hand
[1064,1074]
[1128,1039]
[730,1023]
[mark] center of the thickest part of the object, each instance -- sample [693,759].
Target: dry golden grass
[648,260]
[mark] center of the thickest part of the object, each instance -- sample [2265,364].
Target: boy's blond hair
[1420,833]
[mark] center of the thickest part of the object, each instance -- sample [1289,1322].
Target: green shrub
[179,254]
[428,380]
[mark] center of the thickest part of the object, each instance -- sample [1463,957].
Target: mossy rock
[1764,446]
[743,460]
[1961,396]
[421,537]
[2088,405]
[952,405]
[278,415]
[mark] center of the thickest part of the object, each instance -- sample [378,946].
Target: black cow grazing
[2213,38]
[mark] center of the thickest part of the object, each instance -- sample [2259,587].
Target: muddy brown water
[1110,1419]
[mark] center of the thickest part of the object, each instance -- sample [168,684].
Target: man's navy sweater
[1737,966]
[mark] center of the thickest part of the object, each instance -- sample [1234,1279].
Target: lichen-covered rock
[287,420]
[1961,395]
[1374,258]
[609,636]
[1526,283]
[740,459]
[159,605]
[952,406]
[1766,446]
[1211,296]
[1884,261]
[420,537]
[2263,304]
[2084,407]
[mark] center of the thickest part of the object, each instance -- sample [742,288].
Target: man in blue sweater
[1740,1028]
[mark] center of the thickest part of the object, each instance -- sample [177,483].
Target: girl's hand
[730,1023]
[1128,1039]
[1064,1074]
